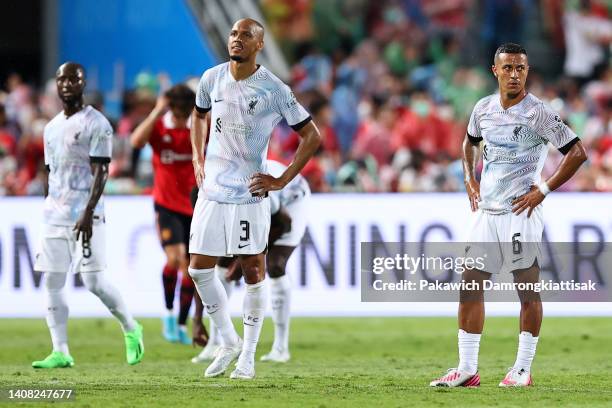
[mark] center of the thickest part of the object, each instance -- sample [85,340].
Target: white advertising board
[324,270]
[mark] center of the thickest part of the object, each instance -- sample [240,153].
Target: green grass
[337,362]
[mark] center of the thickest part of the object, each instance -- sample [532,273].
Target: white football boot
[456,378]
[245,369]
[223,359]
[517,378]
[277,356]
[208,353]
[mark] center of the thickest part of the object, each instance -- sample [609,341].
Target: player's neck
[242,70]
[72,107]
[507,102]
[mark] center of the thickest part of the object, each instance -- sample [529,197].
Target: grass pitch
[336,362]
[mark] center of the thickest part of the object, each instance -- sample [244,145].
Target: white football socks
[214,338]
[526,351]
[469,343]
[253,312]
[280,297]
[110,296]
[57,311]
[214,297]
[220,271]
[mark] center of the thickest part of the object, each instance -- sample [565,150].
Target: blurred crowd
[390,84]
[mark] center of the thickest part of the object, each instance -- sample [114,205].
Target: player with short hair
[167,130]
[77,147]
[287,227]
[515,127]
[232,215]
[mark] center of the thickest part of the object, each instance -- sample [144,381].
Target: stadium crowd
[391,85]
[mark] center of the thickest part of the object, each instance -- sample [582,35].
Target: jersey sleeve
[290,109]
[549,125]
[275,203]
[203,93]
[473,129]
[101,141]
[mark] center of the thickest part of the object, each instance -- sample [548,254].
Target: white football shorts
[222,229]
[60,251]
[507,242]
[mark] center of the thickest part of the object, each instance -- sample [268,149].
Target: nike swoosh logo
[516,260]
[243,246]
[218,100]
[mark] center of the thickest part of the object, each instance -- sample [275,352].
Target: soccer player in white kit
[232,215]
[77,147]
[516,128]
[288,208]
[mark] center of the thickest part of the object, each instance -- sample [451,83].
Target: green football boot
[134,346]
[56,359]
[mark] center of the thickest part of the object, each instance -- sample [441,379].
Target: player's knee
[201,276]
[173,260]
[276,269]
[92,282]
[252,274]
[54,282]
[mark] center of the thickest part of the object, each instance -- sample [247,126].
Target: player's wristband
[544,189]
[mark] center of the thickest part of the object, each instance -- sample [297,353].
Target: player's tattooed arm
[571,162]
[84,225]
[471,156]
[199,131]
[309,143]
[142,133]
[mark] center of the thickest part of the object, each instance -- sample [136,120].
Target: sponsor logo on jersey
[218,125]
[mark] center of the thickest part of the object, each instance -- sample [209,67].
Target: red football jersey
[173,177]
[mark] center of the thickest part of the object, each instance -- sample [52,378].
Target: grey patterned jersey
[243,114]
[297,189]
[70,145]
[515,147]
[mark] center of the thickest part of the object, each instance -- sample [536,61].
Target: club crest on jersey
[252,103]
[76,136]
[167,138]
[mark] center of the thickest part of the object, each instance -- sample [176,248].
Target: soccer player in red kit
[166,129]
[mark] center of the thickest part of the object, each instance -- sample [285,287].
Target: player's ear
[494,71]
[260,45]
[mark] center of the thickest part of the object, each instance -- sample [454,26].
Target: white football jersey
[70,145]
[243,115]
[296,190]
[515,147]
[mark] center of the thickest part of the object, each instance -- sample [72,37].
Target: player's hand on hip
[528,201]
[84,226]
[262,183]
[473,190]
[198,169]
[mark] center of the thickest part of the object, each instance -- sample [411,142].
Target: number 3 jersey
[515,147]
[71,145]
[243,115]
